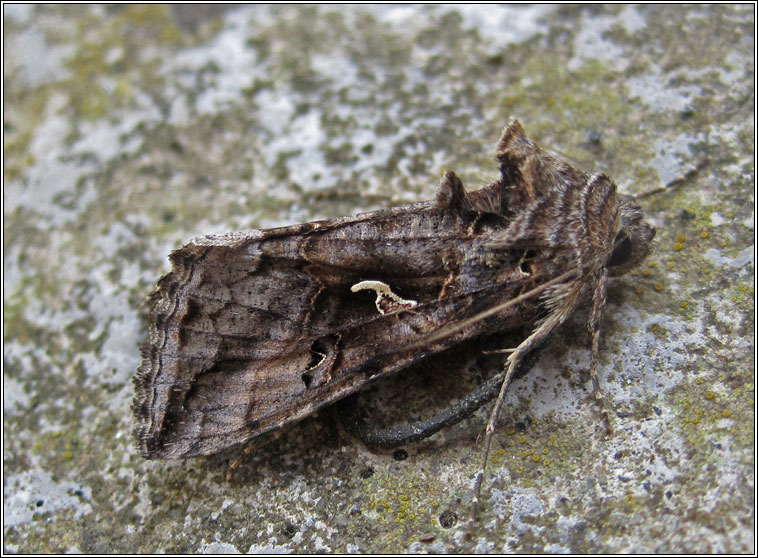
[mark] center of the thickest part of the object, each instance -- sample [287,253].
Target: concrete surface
[130,129]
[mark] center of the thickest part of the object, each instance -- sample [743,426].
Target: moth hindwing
[253,330]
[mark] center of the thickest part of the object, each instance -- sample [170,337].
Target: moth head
[633,242]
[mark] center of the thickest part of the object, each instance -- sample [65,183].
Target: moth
[253,330]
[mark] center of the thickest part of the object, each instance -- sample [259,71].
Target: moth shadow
[430,387]
[413,394]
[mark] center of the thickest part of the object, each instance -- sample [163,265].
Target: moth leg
[571,299]
[497,351]
[598,304]
[251,447]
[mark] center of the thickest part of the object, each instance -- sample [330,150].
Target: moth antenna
[452,330]
[678,181]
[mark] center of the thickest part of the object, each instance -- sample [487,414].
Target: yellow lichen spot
[658,286]
[545,451]
[522,439]
[536,458]
[495,460]
[704,234]
[726,413]
[707,271]
[710,395]
[68,455]
[510,431]
[651,263]
[724,244]
[684,305]
[546,461]
[646,272]
[678,246]
[680,238]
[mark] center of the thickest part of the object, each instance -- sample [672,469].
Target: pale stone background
[130,129]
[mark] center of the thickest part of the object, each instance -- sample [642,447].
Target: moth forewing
[254,330]
[258,329]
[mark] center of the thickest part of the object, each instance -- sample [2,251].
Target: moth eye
[622,250]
